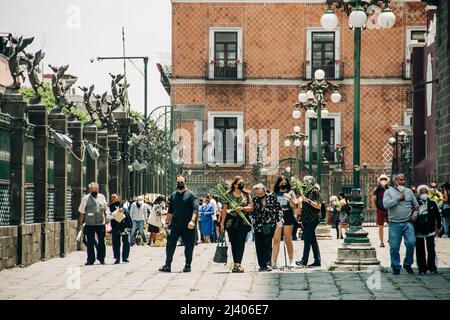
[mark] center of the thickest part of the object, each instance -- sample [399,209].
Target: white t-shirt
[214,205]
[138,214]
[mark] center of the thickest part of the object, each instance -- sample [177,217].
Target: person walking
[334,207]
[446,209]
[377,202]
[344,211]
[138,211]
[427,225]
[265,216]
[181,219]
[310,218]
[206,212]
[288,202]
[213,203]
[154,220]
[93,212]
[402,207]
[233,223]
[120,230]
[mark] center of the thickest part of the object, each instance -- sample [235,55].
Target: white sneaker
[274,266]
[292,264]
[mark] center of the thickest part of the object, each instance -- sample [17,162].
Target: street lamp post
[298,139]
[356,242]
[311,98]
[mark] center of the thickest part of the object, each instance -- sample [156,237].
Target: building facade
[236,70]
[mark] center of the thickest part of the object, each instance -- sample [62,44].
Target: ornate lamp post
[298,139]
[311,98]
[357,249]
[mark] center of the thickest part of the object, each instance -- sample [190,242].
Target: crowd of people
[413,215]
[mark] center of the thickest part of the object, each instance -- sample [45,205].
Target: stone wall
[8,251]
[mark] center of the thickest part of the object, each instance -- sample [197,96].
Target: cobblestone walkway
[139,279]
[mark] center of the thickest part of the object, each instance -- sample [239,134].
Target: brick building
[237,67]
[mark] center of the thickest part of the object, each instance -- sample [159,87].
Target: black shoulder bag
[221,255]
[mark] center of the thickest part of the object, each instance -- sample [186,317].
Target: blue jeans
[397,231]
[446,223]
[138,224]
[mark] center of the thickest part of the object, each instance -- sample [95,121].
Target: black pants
[423,262]
[336,225]
[310,241]
[116,242]
[187,236]
[237,236]
[263,245]
[294,231]
[101,248]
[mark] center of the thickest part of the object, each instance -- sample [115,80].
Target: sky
[74,31]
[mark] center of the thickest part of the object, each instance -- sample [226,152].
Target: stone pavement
[68,278]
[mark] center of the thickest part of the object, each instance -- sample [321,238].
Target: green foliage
[136,115]
[49,100]
[47,96]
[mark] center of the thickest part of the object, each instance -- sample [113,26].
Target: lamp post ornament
[312,99]
[358,11]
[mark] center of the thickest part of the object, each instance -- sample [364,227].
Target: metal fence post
[90,135]
[103,172]
[114,170]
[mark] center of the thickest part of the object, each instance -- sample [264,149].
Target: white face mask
[400,188]
[140,203]
[383,183]
[424,197]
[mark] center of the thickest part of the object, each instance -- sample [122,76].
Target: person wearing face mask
[265,216]
[377,202]
[288,202]
[310,217]
[138,212]
[402,209]
[120,230]
[435,194]
[181,220]
[234,224]
[155,219]
[427,225]
[93,211]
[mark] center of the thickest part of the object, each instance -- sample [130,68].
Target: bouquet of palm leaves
[220,192]
[301,187]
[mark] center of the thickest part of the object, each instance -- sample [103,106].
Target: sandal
[237,269]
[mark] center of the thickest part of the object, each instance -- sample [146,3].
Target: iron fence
[51,183]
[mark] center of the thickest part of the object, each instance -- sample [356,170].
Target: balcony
[333,71]
[230,71]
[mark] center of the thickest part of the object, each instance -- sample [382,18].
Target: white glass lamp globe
[310,94]
[302,97]
[329,20]
[386,19]
[297,142]
[296,114]
[319,74]
[391,141]
[288,169]
[357,18]
[335,97]
[306,143]
[297,129]
[287,143]
[324,113]
[310,113]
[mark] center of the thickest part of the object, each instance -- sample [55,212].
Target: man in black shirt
[180,222]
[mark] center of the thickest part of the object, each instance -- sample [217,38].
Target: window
[225,55]
[413,35]
[323,53]
[225,137]
[328,138]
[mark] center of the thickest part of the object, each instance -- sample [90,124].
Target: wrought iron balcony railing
[230,71]
[334,71]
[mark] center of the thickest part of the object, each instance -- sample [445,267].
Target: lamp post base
[355,257]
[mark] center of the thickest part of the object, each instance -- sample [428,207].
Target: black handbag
[221,255]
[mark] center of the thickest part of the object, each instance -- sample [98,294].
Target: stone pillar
[113,143]
[37,115]
[13,104]
[124,134]
[76,134]
[103,162]
[58,121]
[90,135]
